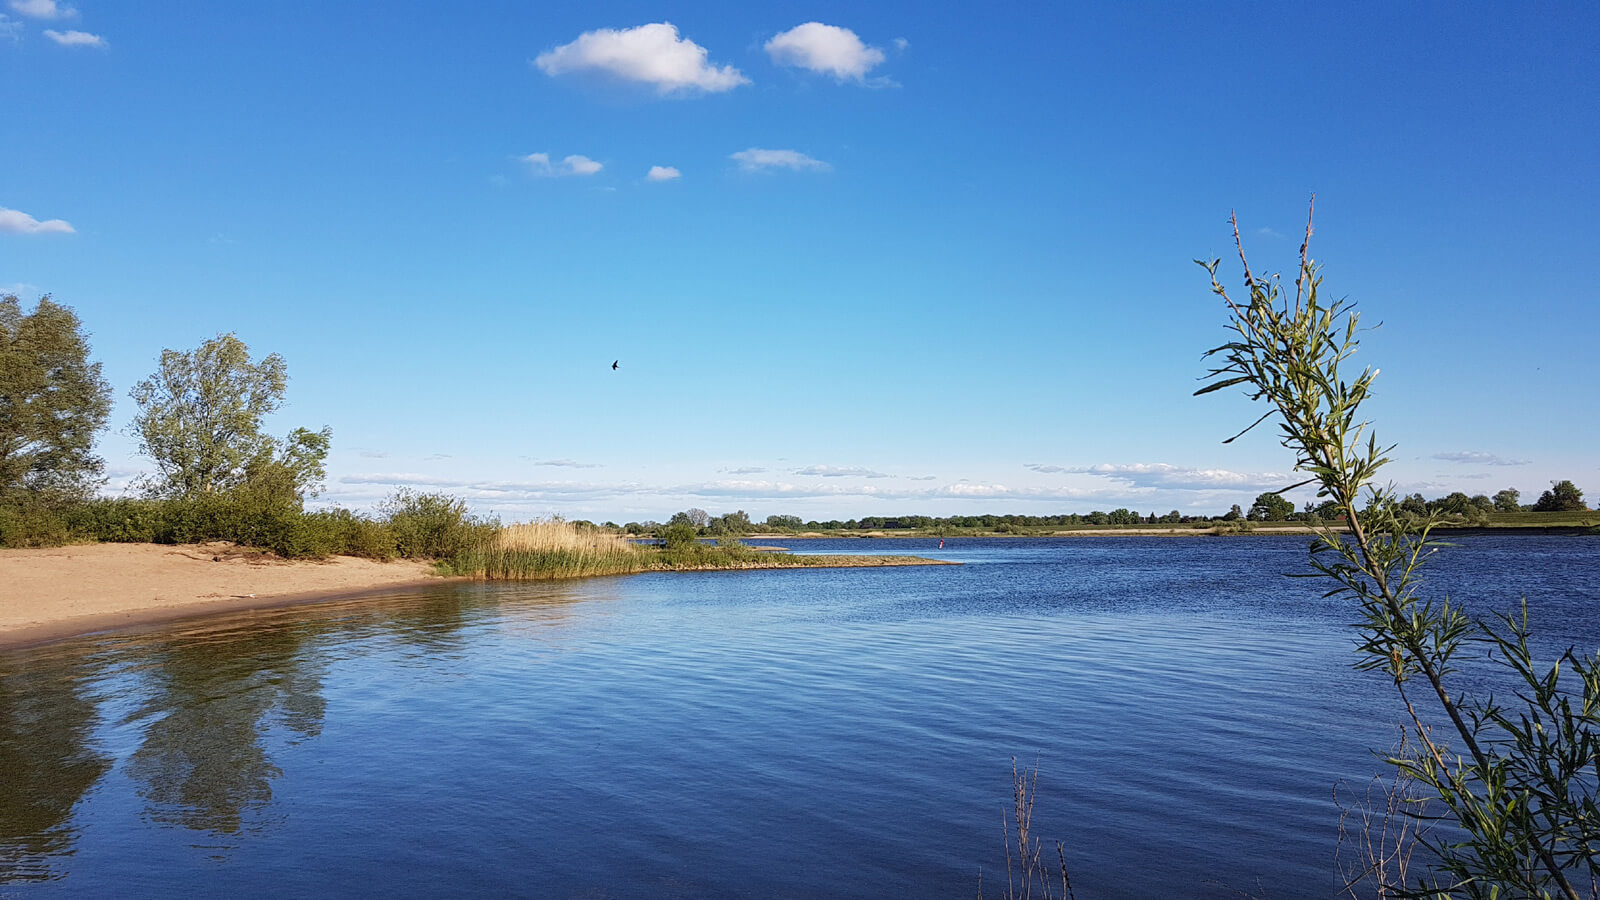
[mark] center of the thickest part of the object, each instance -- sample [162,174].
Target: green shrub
[433,526]
[25,524]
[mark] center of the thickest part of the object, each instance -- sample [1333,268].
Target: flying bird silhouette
[614,364]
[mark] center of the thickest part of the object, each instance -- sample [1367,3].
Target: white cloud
[43,9]
[15,221]
[901,44]
[827,49]
[651,54]
[756,159]
[840,472]
[75,38]
[1479,458]
[1151,476]
[575,164]
[566,463]
[746,470]
[663,173]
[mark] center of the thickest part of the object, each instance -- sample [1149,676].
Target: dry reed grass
[551,548]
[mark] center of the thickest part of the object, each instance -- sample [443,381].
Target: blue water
[844,733]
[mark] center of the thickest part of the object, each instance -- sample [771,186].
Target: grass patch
[548,549]
[557,549]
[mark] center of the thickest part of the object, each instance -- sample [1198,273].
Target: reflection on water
[815,733]
[46,766]
[203,763]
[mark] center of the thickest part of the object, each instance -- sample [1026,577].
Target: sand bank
[56,592]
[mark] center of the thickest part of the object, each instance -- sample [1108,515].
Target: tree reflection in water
[46,763]
[204,764]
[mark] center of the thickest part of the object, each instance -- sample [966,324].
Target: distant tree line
[1563,496]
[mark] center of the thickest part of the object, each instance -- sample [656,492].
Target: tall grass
[550,548]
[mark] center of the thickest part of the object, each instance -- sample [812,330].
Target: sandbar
[56,592]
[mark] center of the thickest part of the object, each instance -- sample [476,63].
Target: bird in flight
[614,364]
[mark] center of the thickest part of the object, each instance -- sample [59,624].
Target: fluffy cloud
[540,164]
[756,159]
[840,472]
[1150,476]
[827,49]
[663,173]
[1478,458]
[15,221]
[650,54]
[43,9]
[75,38]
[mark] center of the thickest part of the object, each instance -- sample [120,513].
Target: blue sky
[893,258]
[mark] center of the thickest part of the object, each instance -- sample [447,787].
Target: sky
[851,259]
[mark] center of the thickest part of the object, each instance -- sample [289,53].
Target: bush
[679,536]
[433,526]
[24,524]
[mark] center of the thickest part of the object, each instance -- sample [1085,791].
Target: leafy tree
[1233,514]
[1563,496]
[783,521]
[678,536]
[200,421]
[52,402]
[1270,507]
[731,523]
[1508,500]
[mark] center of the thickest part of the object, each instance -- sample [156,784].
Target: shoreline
[52,594]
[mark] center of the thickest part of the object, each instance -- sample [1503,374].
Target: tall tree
[200,420]
[1508,500]
[1270,507]
[1563,496]
[52,402]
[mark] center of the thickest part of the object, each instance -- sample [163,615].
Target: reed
[550,548]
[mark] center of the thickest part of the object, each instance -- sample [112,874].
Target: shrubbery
[261,514]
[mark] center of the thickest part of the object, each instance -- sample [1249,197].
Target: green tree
[1517,774]
[1508,500]
[1563,496]
[679,536]
[52,403]
[200,418]
[1270,507]
[1233,514]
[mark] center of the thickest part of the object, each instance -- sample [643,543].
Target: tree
[1563,496]
[1508,500]
[52,402]
[1270,507]
[1233,514]
[200,421]
[1512,768]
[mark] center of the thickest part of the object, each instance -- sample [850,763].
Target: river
[799,733]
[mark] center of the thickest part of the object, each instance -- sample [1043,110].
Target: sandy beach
[57,592]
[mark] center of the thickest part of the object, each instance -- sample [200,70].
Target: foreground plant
[1521,791]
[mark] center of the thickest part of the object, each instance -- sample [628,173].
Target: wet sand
[52,593]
